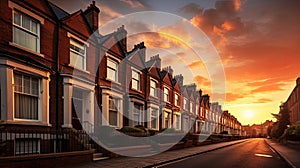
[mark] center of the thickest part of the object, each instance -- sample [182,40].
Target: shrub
[141,127]
[130,129]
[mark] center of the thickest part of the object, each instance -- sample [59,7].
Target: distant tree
[283,119]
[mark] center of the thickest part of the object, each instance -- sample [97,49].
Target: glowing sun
[249,114]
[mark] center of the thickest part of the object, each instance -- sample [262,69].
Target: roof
[60,13]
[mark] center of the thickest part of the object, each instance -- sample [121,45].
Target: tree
[283,119]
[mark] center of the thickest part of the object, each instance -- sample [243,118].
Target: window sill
[112,81]
[78,69]
[136,90]
[25,49]
[28,122]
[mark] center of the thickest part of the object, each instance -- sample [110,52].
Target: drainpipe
[57,84]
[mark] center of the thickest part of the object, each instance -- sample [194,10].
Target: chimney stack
[156,59]
[92,16]
[179,79]
[169,70]
[122,36]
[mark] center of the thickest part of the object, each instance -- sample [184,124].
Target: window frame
[168,95]
[154,117]
[154,89]
[176,99]
[116,70]
[83,56]
[134,78]
[140,113]
[115,110]
[22,28]
[38,95]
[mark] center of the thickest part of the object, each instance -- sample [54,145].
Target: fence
[28,142]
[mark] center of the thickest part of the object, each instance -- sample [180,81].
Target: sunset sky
[257,42]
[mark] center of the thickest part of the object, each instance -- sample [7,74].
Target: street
[253,153]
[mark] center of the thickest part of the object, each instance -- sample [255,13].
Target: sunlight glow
[249,114]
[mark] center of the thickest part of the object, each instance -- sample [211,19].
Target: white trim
[70,35]
[13,5]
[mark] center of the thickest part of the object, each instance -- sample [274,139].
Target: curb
[191,155]
[282,156]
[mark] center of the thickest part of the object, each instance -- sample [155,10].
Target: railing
[29,142]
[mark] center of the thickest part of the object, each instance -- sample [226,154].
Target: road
[253,153]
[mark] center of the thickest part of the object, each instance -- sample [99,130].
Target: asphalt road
[253,153]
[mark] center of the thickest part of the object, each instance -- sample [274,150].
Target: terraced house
[61,78]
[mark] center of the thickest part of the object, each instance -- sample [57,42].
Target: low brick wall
[47,160]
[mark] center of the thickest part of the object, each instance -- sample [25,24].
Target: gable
[153,71]
[112,44]
[176,86]
[136,60]
[78,23]
[167,80]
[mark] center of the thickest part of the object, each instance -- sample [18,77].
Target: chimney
[298,81]
[179,79]
[122,36]
[169,70]
[156,59]
[92,16]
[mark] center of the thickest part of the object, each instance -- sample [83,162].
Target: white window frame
[197,109]
[75,47]
[191,106]
[176,99]
[39,105]
[185,103]
[117,109]
[135,78]
[166,94]
[27,31]
[140,114]
[156,116]
[153,90]
[116,70]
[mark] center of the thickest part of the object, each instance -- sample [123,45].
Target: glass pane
[35,86]
[76,60]
[25,22]
[34,26]
[112,64]
[18,82]
[135,84]
[17,18]
[24,39]
[113,118]
[27,84]
[111,74]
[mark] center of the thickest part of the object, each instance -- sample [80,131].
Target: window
[167,120]
[197,109]
[154,118]
[27,146]
[185,104]
[112,70]
[153,88]
[114,107]
[26,97]
[177,122]
[135,82]
[176,100]
[166,94]
[26,31]
[77,54]
[138,114]
[191,106]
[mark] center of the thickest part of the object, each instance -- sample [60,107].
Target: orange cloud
[195,64]
[201,81]
[133,4]
[268,88]
[263,100]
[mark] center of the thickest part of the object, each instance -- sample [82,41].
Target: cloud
[263,100]
[202,82]
[133,3]
[268,88]
[195,64]
[107,14]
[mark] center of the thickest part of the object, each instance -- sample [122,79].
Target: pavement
[290,155]
[159,159]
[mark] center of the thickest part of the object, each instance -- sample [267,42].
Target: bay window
[77,54]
